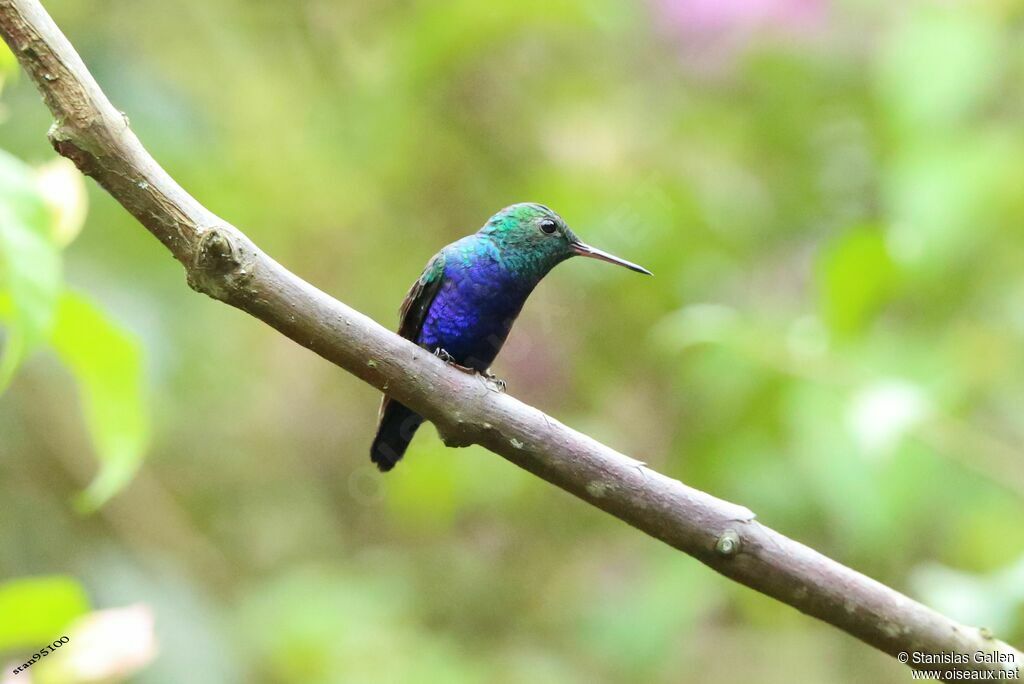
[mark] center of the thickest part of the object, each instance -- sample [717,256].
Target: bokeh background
[829,193]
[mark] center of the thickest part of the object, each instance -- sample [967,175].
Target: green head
[533,237]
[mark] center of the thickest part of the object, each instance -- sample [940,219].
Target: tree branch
[223,263]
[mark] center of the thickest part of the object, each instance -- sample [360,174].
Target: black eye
[548,226]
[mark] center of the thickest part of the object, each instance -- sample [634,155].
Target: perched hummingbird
[465,302]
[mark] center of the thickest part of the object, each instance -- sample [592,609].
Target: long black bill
[595,253]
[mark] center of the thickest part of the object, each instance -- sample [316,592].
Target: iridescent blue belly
[474,310]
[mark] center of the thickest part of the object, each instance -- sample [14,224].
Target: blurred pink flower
[103,646]
[109,645]
[716,30]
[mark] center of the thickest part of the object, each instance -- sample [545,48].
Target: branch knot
[728,544]
[219,268]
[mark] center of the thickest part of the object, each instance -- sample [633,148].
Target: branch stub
[728,544]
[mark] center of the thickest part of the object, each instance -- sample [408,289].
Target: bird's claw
[450,360]
[491,378]
[486,376]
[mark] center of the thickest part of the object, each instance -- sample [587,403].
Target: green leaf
[107,363]
[36,610]
[7,60]
[30,264]
[8,64]
[856,275]
[62,188]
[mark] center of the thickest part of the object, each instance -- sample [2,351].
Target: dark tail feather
[397,426]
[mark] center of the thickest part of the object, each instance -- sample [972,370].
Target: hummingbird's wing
[396,423]
[417,302]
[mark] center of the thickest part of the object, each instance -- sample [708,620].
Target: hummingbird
[464,303]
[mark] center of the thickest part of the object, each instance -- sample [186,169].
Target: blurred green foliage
[831,202]
[8,65]
[37,610]
[31,266]
[38,310]
[107,362]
